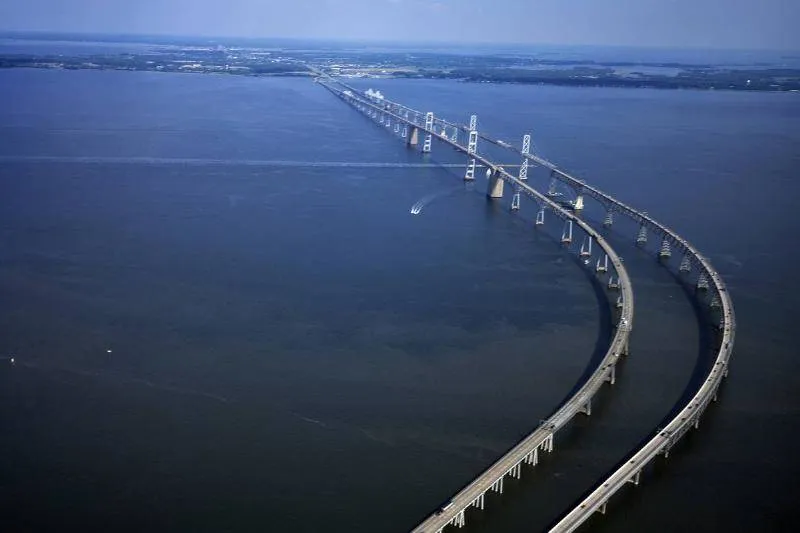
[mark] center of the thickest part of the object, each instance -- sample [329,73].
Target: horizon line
[108,36]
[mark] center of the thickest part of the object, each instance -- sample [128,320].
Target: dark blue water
[292,350]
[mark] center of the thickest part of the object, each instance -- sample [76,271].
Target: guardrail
[526,451]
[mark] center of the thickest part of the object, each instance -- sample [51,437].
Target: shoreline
[616,83]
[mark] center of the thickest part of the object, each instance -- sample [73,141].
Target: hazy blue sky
[701,23]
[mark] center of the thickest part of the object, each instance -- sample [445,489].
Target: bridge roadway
[689,415]
[527,450]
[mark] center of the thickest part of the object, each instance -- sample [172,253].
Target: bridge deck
[690,413]
[542,437]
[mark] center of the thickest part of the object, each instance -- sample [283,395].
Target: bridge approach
[541,439]
[708,279]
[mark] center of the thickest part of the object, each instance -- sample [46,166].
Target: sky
[736,24]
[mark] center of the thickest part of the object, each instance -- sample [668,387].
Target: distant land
[489,64]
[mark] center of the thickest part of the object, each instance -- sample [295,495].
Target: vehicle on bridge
[443,508]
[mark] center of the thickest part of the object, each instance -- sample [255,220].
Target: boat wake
[416,209]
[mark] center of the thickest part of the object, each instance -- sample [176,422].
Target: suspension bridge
[415,128]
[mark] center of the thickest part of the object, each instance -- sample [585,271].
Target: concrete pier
[496,184]
[413,139]
[541,438]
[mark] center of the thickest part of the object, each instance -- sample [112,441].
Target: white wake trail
[428,198]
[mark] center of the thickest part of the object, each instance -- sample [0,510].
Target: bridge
[410,124]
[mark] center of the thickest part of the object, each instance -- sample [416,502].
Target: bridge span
[390,114]
[689,414]
[541,438]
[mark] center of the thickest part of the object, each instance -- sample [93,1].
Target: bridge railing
[542,437]
[690,414]
[688,417]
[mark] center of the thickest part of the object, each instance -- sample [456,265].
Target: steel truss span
[414,124]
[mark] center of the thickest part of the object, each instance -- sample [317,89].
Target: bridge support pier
[479,501]
[497,486]
[496,184]
[611,378]
[548,444]
[665,251]
[472,147]
[587,408]
[625,348]
[523,167]
[533,457]
[579,203]
[426,145]
[413,139]
[458,520]
[609,220]
[469,175]
[641,238]
[602,266]
[540,217]
[636,477]
[566,234]
[586,249]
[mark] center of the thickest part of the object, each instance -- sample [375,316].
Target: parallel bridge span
[689,415]
[665,438]
[541,439]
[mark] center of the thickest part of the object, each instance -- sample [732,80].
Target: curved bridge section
[540,439]
[689,415]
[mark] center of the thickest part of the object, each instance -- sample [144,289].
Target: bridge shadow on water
[605,303]
[496,516]
[708,344]
[608,314]
[506,512]
[572,438]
